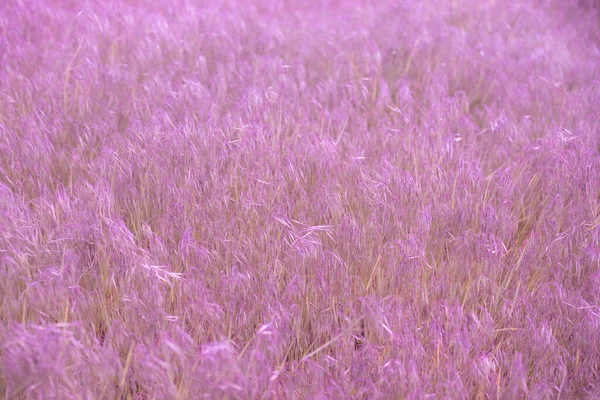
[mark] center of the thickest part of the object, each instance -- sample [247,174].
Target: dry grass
[319,200]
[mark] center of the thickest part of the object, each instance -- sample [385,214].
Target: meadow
[322,199]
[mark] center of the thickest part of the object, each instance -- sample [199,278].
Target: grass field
[299,200]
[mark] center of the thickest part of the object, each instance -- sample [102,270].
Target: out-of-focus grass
[317,200]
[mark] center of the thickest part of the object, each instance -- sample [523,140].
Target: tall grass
[318,199]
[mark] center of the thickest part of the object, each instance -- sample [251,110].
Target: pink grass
[268,199]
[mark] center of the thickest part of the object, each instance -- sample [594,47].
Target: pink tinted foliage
[276,199]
